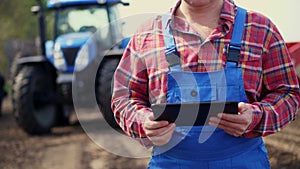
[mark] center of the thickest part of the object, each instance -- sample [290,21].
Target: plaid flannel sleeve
[280,98]
[130,96]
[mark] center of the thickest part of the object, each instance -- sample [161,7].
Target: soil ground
[70,148]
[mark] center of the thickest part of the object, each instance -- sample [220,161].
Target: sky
[283,13]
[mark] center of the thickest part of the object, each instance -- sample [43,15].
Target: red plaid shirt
[270,80]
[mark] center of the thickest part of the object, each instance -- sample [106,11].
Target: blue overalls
[208,147]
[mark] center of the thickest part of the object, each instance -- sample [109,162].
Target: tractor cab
[81,27]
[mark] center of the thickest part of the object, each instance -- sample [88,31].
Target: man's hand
[235,125]
[159,132]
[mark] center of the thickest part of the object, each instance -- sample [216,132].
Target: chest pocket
[251,64]
[193,93]
[251,56]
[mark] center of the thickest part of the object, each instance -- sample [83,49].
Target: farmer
[200,43]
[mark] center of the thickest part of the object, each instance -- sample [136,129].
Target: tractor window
[116,23]
[50,24]
[81,19]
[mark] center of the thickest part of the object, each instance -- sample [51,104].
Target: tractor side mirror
[35,9]
[125,3]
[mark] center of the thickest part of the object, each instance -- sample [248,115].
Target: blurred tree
[16,19]
[17,22]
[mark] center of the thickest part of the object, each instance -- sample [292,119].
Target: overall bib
[203,147]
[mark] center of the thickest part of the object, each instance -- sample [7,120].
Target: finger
[241,106]
[160,131]
[244,107]
[151,117]
[169,128]
[241,119]
[228,130]
[234,126]
[232,118]
[232,132]
[237,128]
[224,122]
[150,124]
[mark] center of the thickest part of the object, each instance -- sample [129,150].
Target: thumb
[242,107]
[150,117]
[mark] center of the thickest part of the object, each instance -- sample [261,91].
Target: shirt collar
[227,14]
[229,11]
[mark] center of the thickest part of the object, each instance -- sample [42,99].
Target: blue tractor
[42,85]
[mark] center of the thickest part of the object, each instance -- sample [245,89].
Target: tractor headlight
[82,59]
[86,54]
[59,60]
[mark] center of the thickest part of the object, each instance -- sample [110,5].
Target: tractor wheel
[63,115]
[15,69]
[34,99]
[104,88]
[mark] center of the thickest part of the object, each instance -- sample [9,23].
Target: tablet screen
[192,114]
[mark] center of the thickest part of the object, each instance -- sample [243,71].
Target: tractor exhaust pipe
[39,10]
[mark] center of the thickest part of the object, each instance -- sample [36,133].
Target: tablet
[192,114]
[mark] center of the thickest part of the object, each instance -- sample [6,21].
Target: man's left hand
[232,124]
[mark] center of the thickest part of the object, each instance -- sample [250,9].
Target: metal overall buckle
[233,54]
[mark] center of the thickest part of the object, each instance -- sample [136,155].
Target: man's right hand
[159,132]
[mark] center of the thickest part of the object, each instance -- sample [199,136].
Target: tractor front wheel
[34,99]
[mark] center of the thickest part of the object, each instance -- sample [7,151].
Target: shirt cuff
[256,119]
[145,142]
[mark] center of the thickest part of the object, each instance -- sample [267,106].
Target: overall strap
[171,53]
[233,52]
[234,49]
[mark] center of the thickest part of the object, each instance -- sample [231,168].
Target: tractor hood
[72,49]
[65,3]
[73,40]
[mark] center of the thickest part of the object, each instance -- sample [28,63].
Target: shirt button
[194,93]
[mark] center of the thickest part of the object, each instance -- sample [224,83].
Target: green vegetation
[17,22]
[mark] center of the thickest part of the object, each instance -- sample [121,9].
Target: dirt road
[66,148]
[70,148]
